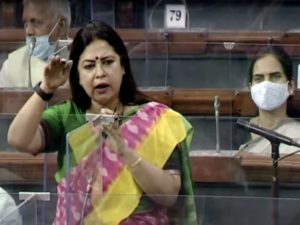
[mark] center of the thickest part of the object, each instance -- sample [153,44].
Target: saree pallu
[152,131]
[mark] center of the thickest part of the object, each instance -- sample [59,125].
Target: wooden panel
[214,167]
[163,42]
[244,36]
[242,167]
[243,104]
[259,168]
[191,101]
[17,167]
[162,95]
[217,168]
[12,35]
[200,35]
[201,101]
[197,41]
[12,99]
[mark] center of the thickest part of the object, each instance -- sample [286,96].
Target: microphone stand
[275,157]
[275,139]
[275,180]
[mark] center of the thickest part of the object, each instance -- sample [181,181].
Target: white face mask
[42,48]
[268,95]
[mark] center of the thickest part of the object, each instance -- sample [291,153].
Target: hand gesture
[114,138]
[56,72]
[115,141]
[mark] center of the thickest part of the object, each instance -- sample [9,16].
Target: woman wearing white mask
[270,80]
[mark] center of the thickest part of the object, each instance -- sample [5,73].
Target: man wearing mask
[45,22]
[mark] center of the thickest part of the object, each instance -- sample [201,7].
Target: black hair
[280,54]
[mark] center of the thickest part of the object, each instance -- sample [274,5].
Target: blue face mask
[42,48]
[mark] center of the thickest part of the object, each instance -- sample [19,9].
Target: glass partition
[187,69]
[210,210]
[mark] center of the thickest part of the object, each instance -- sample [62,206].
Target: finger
[97,129]
[112,132]
[67,68]
[46,70]
[68,65]
[53,62]
[55,59]
[110,144]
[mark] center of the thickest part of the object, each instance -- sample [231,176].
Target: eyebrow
[96,58]
[276,73]
[271,74]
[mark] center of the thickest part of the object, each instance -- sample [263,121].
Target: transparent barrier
[40,208]
[213,15]
[216,148]
[186,69]
[191,59]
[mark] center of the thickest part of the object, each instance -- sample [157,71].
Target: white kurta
[8,213]
[15,69]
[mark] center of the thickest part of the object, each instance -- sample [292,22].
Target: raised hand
[56,73]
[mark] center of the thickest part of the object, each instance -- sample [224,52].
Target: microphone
[216,107]
[88,192]
[32,45]
[271,135]
[31,48]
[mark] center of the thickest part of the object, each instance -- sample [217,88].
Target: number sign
[175,16]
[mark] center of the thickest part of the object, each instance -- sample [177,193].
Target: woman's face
[101,73]
[268,68]
[270,89]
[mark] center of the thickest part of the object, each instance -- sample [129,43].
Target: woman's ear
[291,87]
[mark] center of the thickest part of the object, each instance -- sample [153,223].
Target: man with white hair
[45,23]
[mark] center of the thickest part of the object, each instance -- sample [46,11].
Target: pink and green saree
[99,189]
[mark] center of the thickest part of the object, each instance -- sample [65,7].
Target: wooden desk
[191,41]
[207,166]
[191,101]
[12,99]
[224,167]
[17,167]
